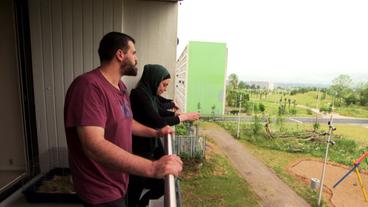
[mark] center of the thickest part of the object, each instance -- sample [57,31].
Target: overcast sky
[309,41]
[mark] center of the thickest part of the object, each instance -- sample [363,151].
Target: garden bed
[55,187]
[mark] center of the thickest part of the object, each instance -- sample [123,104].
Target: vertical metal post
[238,131]
[330,130]
[317,105]
[170,192]
[191,146]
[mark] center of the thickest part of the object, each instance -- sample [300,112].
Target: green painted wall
[206,76]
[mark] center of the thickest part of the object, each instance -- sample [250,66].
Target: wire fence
[190,146]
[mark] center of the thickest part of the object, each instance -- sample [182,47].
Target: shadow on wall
[54,157]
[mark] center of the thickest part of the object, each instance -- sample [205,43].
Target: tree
[352,98]
[340,88]
[262,107]
[233,80]
[233,96]
[363,94]
[243,85]
[213,107]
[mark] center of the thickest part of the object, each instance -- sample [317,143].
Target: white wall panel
[154,27]
[77,37]
[64,37]
[118,15]
[107,16]
[59,86]
[181,78]
[97,19]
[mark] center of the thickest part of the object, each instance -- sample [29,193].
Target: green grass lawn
[272,102]
[272,109]
[354,111]
[214,183]
[349,146]
[353,132]
[309,99]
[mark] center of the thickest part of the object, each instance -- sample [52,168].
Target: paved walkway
[263,181]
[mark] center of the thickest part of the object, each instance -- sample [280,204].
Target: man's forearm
[118,159]
[143,131]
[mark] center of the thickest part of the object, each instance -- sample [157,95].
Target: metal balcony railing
[172,194]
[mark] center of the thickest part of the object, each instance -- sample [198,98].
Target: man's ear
[120,55]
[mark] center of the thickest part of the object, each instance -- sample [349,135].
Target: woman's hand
[190,116]
[176,107]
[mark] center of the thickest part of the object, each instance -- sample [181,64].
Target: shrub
[326,108]
[316,126]
[309,111]
[180,129]
[261,107]
[256,126]
[293,111]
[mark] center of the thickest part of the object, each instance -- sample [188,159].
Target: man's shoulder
[88,77]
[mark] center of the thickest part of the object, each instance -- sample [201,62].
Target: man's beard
[128,69]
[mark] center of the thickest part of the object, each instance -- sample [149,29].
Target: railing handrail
[170,191]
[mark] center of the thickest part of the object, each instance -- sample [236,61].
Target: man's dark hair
[111,42]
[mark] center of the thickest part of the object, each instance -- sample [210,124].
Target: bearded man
[99,126]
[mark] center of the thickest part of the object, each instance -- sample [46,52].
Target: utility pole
[317,106]
[238,131]
[329,141]
[331,128]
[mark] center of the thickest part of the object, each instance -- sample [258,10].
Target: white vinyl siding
[153,24]
[64,37]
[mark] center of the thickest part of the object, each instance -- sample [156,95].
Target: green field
[309,99]
[353,132]
[354,111]
[272,103]
[292,137]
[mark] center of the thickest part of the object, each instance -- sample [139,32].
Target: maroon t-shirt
[92,101]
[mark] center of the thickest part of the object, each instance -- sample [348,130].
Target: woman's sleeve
[150,113]
[166,103]
[165,112]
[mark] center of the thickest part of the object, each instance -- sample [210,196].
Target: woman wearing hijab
[151,109]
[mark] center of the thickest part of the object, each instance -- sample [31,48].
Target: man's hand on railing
[164,131]
[167,165]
